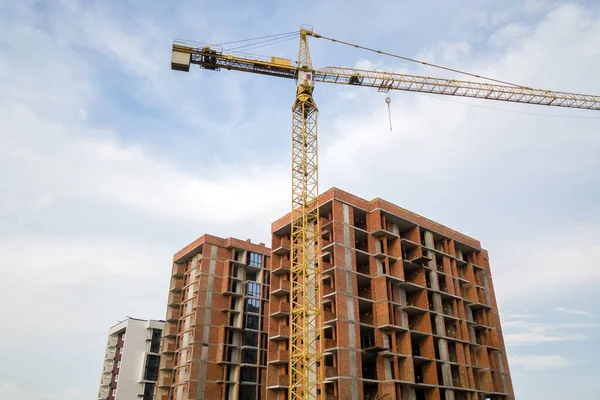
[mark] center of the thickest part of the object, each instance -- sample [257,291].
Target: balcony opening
[230,336]
[428,280]
[369,366]
[361,241]
[480,317]
[452,352]
[370,391]
[415,348]
[460,271]
[413,299]
[451,330]
[380,246]
[476,384]
[249,356]
[238,255]
[439,263]
[480,338]
[248,374]
[251,322]
[360,218]
[455,376]
[364,287]
[363,268]
[448,308]
[231,373]
[480,278]
[365,312]
[250,338]
[234,319]
[326,261]
[442,283]
[419,376]
[436,348]
[330,389]
[420,394]
[422,238]
[327,238]
[439,245]
[440,377]
[329,360]
[430,301]
[251,276]
[328,310]
[367,338]
[382,265]
[248,392]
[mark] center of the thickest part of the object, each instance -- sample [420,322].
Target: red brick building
[215,337]
[408,311]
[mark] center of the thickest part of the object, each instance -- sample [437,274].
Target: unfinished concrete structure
[408,307]
[215,338]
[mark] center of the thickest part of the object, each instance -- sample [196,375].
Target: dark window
[251,322]
[253,289]
[250,339]
[248,392]
[252,305]
[254,259]
[155,344]
[247,374]
[249,356]
[151,370]
[148,391]
[251,276]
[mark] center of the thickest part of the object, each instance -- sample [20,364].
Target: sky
[110,163]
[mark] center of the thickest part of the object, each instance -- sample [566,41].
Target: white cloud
[510,316]
[91,164]
[439,160]
[526,333]
[540,362]
[545,256]
[9,391]
[574,312]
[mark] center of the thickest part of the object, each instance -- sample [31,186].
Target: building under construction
[408,312]
[408,307]
[215,338]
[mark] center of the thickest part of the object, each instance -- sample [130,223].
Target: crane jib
[215,59]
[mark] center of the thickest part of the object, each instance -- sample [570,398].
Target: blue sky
[110,162]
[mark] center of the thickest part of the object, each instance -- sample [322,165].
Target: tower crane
[305,322]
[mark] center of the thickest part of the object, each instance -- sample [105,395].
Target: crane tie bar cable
[268,42]
[415,61]
[258,38]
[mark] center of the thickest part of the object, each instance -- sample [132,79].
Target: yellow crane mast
[305,345]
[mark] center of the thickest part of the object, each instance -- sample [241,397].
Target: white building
[131,361]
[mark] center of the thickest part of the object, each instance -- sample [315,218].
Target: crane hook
[388,100]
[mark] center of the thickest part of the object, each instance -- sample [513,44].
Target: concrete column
[352,340]
[207,318]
